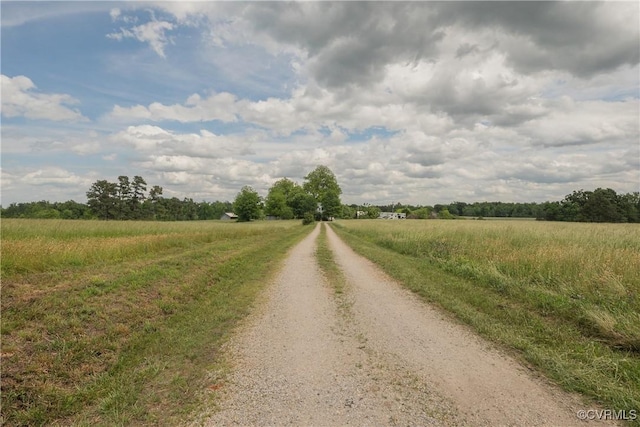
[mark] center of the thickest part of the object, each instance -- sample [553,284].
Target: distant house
[228,216]
[392,215]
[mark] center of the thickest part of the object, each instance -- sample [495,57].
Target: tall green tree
[302,203]
[138,189]
[124,197]
[285,186]
[247,204]
[322,184]
[102,198]
[153,208]
[276,205]
[280,199]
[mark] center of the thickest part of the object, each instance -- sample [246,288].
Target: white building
[392,215]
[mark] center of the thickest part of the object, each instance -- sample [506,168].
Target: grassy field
[119,323]
[563,296]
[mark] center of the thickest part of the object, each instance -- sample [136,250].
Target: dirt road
[373,356]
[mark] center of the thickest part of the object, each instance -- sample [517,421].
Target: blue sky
[418,102]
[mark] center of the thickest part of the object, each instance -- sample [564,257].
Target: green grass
[565,297]
[123,323]
[328,266]
[332,273]
[33,246]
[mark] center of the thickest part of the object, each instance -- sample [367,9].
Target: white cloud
[114,13]
[53,176]
[218,106]
[153,32]
[406,101]
[570,122]
[53,183]
[155,140]
[20,99]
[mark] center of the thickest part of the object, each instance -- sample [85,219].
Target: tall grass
[566,295]
[123,322]
[32,246]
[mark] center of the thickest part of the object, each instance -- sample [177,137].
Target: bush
[308,218]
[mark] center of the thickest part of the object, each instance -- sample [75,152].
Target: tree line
[125,199]
[318,197]
[130,199]
[600,205]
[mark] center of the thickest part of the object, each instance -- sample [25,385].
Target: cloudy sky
[419,102]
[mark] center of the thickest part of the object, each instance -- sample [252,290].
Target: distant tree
[320,181]
[49,213]
[276,205]
[445,214]
[247,204]
[322,184]
[189,210]
[373,212]
[152,207]
[169,209]
[73,210]
[629,205]
[45,209]
[206,211]
[138,189]
[602,206]
[302,203]
[124,197]
[285,186]
[348,212]
[220,208]
[102,198]
[331,204]
[422,213]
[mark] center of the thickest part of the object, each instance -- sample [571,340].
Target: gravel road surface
[372,356]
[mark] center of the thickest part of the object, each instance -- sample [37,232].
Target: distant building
[392,215]
[228,216]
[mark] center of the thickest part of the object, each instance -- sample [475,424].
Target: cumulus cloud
[421,102]
[205,144]
[572,122]
[347,43]
[43,183]
[53,176]
[583,38]
[20,98]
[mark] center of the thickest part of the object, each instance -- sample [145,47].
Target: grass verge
[520,315]
[327,264]
[130,341]
[332,273]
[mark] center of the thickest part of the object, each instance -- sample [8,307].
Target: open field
[119,323]
[564,296]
